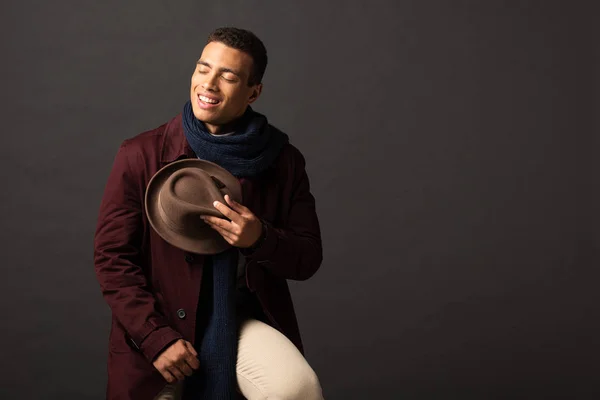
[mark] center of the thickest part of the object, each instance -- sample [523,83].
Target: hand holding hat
[243,229]
[180,205]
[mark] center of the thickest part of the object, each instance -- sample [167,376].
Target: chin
[201,114]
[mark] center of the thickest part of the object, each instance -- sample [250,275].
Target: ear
[256,91]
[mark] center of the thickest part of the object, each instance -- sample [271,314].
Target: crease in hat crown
[187,194]
[197,184]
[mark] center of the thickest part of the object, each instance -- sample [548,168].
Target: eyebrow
[200,62]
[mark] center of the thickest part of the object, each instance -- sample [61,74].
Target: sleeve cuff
[266,248]
[157,341]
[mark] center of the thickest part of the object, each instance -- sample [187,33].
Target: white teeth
[207,100]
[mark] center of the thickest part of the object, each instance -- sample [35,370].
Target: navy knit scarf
[251,149]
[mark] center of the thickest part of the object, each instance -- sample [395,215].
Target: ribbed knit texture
[252,148]
[217,348]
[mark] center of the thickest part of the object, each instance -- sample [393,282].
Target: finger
[223,223]
[168,376]
[174,370]
[227,235]
[193,361]
[235,206]
[185,368]
[191,348]
[228,212]
[192,356]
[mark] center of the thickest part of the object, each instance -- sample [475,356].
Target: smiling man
[237,88]
[160,295]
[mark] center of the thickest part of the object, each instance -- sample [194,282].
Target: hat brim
[204,239]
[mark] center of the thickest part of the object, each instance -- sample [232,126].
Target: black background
[450,149]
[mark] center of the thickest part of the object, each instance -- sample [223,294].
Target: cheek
[195,81]
[237,96]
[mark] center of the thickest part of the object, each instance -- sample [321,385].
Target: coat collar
[174,144]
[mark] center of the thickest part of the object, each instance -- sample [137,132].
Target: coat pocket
[119,341]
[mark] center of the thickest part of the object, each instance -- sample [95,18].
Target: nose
[210,83]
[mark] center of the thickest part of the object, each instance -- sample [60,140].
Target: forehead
[219,55]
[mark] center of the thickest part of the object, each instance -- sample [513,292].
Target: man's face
[219,87]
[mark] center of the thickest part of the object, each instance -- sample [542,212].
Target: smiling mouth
[207,100]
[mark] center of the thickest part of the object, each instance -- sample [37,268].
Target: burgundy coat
[152,287]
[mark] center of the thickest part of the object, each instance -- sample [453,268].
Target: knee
[312,387]
[304,385]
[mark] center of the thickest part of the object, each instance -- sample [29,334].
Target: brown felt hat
[180,193]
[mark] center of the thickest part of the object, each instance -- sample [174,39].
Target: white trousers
[269,366]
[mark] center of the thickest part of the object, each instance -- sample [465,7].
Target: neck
[224,128]
[220,129]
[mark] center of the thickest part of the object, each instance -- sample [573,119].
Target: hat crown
[180,193]
[188,194]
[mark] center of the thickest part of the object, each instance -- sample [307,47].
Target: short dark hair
[247,42]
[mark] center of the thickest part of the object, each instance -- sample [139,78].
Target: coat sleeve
[293,251]
[118,262]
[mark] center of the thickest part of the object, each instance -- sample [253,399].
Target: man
[157,292]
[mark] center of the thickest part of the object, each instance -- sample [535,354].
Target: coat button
[181,313]
[189,258]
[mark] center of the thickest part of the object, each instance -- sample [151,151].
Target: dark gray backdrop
[449,147]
